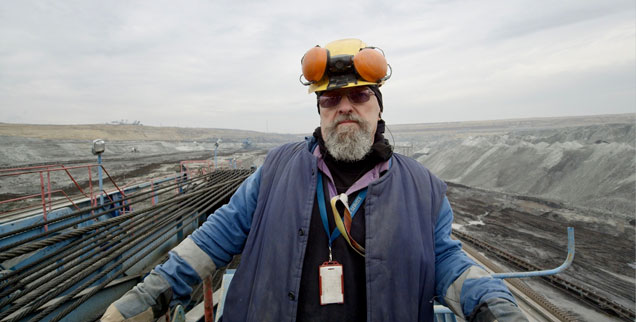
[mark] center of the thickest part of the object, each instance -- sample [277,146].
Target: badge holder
[331,283]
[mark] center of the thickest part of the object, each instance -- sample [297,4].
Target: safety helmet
[343,63]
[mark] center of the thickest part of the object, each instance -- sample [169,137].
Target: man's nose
[345,106]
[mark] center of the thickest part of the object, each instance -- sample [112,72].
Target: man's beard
[348,143]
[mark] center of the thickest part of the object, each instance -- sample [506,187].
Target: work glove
[147,301]
[497,309]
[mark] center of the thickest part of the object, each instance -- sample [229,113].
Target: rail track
[581,292]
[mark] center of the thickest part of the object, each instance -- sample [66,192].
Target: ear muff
[370,64]
[343,63]
[314,63]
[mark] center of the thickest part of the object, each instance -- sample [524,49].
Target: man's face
[348,127]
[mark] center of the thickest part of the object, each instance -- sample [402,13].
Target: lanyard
[361,185]
[357,202]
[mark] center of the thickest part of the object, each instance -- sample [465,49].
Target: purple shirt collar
[360,184]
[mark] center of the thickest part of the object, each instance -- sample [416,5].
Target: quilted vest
[401,210]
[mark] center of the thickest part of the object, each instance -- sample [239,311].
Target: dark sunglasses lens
[359,97]
[329,101]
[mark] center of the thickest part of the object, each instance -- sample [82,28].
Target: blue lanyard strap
[320,194]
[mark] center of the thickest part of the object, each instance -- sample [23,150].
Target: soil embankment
[587,162]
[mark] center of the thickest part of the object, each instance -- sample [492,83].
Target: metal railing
[46,192]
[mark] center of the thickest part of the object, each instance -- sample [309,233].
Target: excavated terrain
[535,230]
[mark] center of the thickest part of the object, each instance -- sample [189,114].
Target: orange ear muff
[315,63]
[370,64]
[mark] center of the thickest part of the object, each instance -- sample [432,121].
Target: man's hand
[496,309]
[147,301]
[112,314]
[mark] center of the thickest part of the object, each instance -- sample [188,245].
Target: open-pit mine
[514,185]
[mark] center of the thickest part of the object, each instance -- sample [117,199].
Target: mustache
[347,117]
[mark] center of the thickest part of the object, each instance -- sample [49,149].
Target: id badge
[331,283]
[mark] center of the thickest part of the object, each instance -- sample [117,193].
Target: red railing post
[208,302]
[48,178]
[152,188]
[46,227]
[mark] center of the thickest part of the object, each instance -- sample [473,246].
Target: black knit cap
[374,88]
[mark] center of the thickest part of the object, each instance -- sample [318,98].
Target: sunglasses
[332,99]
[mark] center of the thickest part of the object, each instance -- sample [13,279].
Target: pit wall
[587,166]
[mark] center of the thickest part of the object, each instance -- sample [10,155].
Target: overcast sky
[236,64]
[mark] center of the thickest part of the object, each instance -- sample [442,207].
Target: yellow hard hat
[343,63]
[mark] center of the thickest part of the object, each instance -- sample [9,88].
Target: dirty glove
[497,309]
[147,301]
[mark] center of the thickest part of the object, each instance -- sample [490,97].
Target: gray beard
[348,143]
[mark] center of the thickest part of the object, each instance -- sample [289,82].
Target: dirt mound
[588,166]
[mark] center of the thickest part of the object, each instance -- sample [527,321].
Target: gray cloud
[531,19]
[236,64]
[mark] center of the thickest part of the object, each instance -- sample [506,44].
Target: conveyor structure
[72,265]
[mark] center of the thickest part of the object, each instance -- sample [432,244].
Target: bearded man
[308,253]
